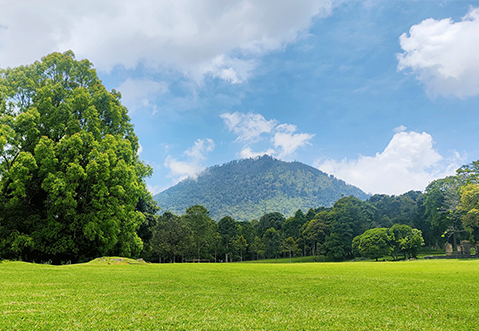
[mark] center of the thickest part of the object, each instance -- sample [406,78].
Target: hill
[246,189]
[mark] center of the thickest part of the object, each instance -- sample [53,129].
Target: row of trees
[323,231]
[448,211]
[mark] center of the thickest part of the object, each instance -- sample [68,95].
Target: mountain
[248,188]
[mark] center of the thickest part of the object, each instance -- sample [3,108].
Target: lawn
[411,295]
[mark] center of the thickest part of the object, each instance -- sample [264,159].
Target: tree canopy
[374,243]
[70,175]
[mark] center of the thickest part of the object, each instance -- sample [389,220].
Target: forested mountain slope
[248,188]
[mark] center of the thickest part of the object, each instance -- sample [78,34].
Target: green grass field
[412,295]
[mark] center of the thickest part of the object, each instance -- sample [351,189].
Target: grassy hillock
[249,188]
[411,295]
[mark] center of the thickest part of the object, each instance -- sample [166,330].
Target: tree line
[327,232]
[448,211]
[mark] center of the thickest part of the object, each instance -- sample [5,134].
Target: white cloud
[251,127]
[201,146]
[400,128]
[248,127]
[287,141]
[180,170]
[444,55]
[196,38]
[138,93]
[409,162]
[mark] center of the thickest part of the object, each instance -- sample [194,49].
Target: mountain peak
[246,189]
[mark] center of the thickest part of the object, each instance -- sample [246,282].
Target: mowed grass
[412,295]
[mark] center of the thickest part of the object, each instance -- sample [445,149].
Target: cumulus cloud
[196,154]
[251,128]
[138,93]
[444,55]
[248,127]
[220,38]
[287,142]
[409,162]
[200,148]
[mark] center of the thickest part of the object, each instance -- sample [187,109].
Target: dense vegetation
[382,225]
[71,182]
[326,232]
[415,295]
[249,188]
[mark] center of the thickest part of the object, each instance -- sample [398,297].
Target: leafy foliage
[270,220]
[171,238]
[203,228]
[70,176]
[374,243]
[470,208]
[272,243]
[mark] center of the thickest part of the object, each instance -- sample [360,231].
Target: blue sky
[382,94]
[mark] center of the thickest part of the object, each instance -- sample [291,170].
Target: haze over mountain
[248,188]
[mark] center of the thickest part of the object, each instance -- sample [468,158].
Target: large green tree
[350,217]
[290,246]
[442,207]
[241,244]
[374,243]
[272,243]
[172,238]
[228,230]
[315,232]
[258,247]
[203,228]
[70,176]
[292,226]
[270,220]
[405,240]
[470,208]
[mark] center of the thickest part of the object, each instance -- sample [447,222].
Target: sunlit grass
[412,295]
